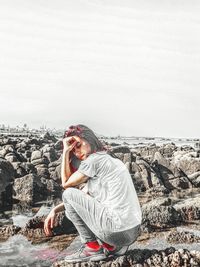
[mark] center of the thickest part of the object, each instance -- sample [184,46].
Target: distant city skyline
[120,67]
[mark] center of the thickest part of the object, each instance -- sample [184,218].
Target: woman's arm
[50,219]
[75,179]
[65,165]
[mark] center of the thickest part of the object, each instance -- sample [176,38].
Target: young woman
[106,212]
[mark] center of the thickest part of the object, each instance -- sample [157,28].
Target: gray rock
[189,208]
[36,155]
[160,213]
[29,189]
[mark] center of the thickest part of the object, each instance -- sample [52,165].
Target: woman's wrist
[66,151]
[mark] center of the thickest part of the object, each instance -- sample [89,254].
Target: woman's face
[82,149]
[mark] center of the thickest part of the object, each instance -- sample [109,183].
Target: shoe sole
[89,258]
[121,252]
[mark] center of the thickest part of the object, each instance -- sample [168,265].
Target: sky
[120,67]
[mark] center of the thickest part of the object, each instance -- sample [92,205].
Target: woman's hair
[87,134]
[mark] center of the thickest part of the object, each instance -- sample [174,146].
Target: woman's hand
[69,143]
[49,223]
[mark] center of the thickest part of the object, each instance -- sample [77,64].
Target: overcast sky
[118,66]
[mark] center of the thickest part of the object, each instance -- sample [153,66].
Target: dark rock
[181,182]
[48,137]
[59,145]
[6,177]
[49,152]
[121,149]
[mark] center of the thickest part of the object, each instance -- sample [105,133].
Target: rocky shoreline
[166,178]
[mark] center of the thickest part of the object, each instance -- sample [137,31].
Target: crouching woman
[106,213]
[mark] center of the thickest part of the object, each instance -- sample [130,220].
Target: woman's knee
[68,194]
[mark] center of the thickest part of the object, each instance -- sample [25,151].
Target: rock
[121,149]
[7,231]
[127,157]
[11,157]
[188,162]
[34,229]
[181,182]
[120,155]
[19,169]
[53,188]
[148,151]
[57,174]
[29,189]
[189,208]
[6,178]
[149,178]
[195,178]
[169,257]
[58,145]
[36,155]
[159,213]
[42,171]
[6,149]
[182,237]
[48,137]
[49,152]
[40,161]
[167,150]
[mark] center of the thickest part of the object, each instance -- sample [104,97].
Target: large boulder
[159,213]
[49,152]
[189,208]
[188,162]
[6,178]
[29,188]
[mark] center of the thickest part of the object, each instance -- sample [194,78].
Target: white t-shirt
[110,183]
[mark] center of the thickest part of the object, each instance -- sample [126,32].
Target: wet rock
[34,229]
[7,231]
